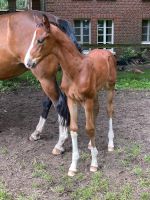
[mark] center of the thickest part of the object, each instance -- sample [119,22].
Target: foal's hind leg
[39,128]
[90,128]
[110,115]
[96,111]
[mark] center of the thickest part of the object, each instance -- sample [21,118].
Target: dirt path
[22,162]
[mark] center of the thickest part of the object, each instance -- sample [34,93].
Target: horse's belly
[9,66]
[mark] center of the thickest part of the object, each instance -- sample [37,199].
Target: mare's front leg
[73,130]
[36,135]
[89,107]
[52,90]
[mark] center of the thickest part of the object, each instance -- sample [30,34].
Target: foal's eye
[40,41]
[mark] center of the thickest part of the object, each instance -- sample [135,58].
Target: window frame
[105,34]
[148,31]
[81,29]
[27,8]
[7,9]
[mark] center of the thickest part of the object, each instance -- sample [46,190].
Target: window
[146,31]
[22,4]
[105,32]
[3,5]
[83,32]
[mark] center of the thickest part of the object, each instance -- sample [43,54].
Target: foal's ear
[46,23]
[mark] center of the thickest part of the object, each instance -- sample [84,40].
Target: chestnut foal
[83,77]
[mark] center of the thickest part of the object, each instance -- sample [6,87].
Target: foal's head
[40,44]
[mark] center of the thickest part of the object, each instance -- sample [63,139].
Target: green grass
[4,195]
[15,83]
[145,196]
[147,158]
[130,80]
[97,184]
[126,192]
[39,171]
[125,80]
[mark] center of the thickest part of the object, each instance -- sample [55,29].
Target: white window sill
[146,42]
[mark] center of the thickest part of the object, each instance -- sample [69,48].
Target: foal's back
[104,65]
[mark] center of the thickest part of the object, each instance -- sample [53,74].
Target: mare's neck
[69,57]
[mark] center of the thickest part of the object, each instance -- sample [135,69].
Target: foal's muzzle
[31,64]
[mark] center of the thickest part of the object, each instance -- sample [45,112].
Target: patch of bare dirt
[19,114]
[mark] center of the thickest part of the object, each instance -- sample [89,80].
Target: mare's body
[15,37]
[83,77]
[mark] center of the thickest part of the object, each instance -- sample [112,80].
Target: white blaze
[27,56]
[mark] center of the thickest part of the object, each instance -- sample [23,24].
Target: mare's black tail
[62,109]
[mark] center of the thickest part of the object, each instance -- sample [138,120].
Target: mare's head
[40,44]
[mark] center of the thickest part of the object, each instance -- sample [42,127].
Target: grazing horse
[83,77]
[15,43]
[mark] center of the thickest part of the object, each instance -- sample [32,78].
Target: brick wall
[127,15]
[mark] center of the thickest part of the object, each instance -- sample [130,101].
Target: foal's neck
[65,50]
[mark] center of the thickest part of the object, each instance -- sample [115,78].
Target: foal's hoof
[110,149]
[34,138]
[56,152]
[93,169]
[89,146]
[71,173]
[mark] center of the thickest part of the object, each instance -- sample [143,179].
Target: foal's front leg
[73,130]
[90,128]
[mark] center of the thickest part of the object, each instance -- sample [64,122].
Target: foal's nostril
[31,64]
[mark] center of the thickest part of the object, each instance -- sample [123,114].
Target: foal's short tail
[62,109]
[112,62]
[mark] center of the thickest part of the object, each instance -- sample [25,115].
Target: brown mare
[15,39]
[83,77]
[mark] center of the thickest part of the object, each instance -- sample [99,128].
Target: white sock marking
[63,135]
[27,56]
[36,134]
[110,134]
[75,151]
[94,154]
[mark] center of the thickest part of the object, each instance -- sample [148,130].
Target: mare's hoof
[56,152]
[93,169]
[110,149]
[71,173]
[33,138]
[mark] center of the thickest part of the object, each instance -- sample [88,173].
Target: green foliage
[130,53]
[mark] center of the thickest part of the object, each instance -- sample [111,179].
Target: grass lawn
[125,80]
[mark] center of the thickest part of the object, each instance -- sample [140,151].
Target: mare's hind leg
[63,135]
[90,128]
[40,126]
[110,115]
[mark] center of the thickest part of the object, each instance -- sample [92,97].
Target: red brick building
[102,21]
[109,21]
